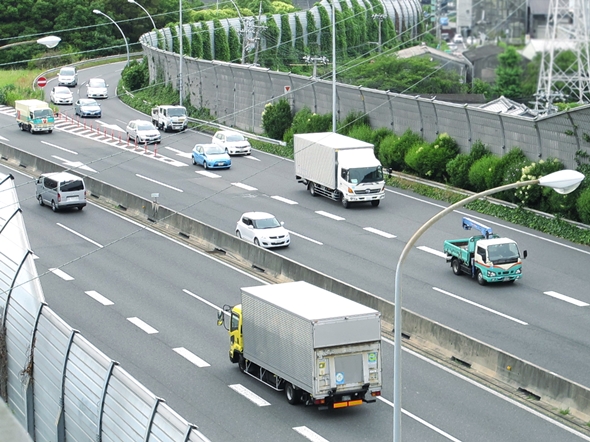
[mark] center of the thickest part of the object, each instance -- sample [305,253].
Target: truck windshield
[176,112]
[365,175]
[503,253]
[42,113]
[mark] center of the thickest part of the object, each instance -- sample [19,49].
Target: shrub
[386,149]
[136,75]
[583,206]
[352,120]
[363,133]
[378,136]
[430,160]
[399,150]
[277,118]
[483,173]
[458,171]
[305,121]
[532,195]
[478,150]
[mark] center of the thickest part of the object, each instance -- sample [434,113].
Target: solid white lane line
[307,238]
[142,325]
[284,200]
[379,232]
[420,420]
[432,251]
[98,297]
[191,357]
[203,300]
[444,292]
[158,182]
[80,235]
[63,275]
[329,215]
[488,390]
[566,298]
[60,148]
[251,396]
[309,434]
[208,174]
[244,186]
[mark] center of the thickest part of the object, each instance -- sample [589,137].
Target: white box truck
[34,116]
[320,348]
[168,117]
[338,167]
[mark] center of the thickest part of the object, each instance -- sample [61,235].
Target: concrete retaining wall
[553,390]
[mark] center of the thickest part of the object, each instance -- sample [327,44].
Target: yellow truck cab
[236,346]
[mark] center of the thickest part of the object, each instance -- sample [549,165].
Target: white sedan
[262,229]
[61,95]
[97,88]
[142,132]
[233,142]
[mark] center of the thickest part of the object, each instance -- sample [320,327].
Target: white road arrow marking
[74,164]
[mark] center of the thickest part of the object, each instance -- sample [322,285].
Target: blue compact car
[211,156]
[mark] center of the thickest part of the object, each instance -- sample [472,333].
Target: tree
[509,74]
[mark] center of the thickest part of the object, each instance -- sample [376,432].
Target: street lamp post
[96,11]
[145,10]
[50,41]
[563,182]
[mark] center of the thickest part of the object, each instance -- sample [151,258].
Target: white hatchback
[262,229]
[61,95]
[232,142]
[97,88]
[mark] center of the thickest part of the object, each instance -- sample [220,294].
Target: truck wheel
[375,203]
[345,203]
[293,396]
[480,279]
[241,363]
[311,188]
[456,266]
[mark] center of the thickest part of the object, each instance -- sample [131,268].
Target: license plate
[73,198]
[506,279]
[220,164]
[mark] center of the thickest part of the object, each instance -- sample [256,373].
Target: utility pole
[311,59]
[379,17]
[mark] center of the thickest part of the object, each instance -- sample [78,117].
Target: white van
[61,190]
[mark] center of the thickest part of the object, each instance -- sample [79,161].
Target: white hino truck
[338,167]
[168,117]
[320,348]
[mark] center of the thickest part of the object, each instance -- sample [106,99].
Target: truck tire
[456,266]
[375,203]
[480,279]
[241,363]
[293,396]
[345,203]
[311,188]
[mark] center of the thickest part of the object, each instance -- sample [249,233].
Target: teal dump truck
[487,257]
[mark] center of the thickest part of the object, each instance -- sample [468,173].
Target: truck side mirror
[524,254]
[220,317]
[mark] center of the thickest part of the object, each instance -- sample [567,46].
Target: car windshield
[176,112]
[145,126]
[96,82]
[43,113]
[365,175]
[503,253]
[67,71]
[235,137]
[266,223]
[213,150]
[62,91]
[88,103]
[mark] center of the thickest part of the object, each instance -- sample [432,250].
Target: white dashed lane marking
[566,298]
[253,397]
[142,325]
[191,357]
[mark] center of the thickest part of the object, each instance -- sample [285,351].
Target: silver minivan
[61,190]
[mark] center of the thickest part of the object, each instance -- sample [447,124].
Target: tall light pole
[145,10]
[334,66]
[50,41]
[563,182]
[180,59]
[96,11]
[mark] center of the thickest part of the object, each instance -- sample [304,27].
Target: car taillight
[59,198]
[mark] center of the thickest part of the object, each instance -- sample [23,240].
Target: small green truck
[34,116]
[486,257]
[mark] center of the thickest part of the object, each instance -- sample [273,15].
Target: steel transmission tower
[568,28]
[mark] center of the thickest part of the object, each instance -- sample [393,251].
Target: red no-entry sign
[41,81]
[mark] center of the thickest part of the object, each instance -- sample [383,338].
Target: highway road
[541,318]
[148,302]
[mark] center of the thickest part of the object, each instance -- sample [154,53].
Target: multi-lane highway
[149,302]
[540,318]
